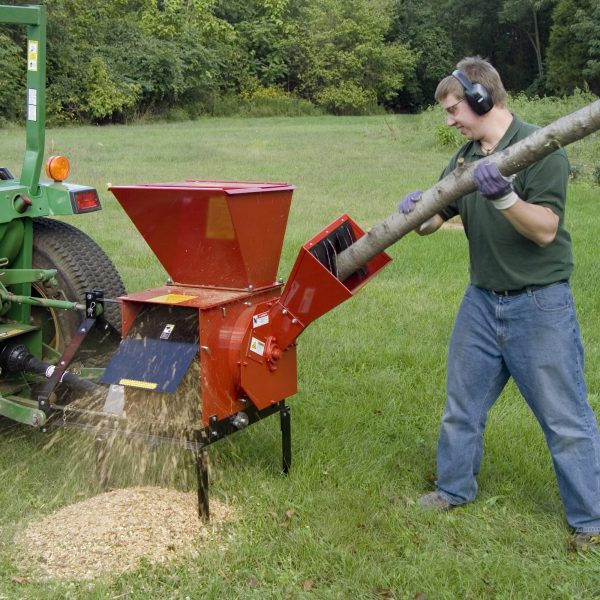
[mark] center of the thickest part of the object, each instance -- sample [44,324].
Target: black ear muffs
[476,95]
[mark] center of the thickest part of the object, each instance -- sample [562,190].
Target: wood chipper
[223,319]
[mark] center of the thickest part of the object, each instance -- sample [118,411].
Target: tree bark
[515,158]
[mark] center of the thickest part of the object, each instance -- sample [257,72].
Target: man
[517,317]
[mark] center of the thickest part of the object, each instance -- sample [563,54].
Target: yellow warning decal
[146,385]
[172,298]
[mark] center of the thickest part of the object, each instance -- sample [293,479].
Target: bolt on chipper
[204,356]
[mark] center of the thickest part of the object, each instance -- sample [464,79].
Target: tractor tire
[81,267]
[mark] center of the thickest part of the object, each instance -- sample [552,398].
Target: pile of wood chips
[111,533]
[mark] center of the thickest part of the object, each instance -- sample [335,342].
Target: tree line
[111,60]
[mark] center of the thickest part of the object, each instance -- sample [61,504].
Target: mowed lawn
[344,523]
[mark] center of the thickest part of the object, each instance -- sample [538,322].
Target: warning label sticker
[257,346]
[31,104]
[32,55]
[167,331]
[260,319]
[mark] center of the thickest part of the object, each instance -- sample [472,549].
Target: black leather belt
[523,290]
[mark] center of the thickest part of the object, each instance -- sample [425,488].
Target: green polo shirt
[500,257]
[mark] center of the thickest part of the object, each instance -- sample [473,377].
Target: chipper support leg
[286,436]
[201,455]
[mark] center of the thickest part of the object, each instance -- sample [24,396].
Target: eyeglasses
[451,110]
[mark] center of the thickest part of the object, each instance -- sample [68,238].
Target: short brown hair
[478,70]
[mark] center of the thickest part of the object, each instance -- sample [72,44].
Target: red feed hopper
[222,234]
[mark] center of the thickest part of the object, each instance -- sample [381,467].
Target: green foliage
[447,137]
[104,97]
[567,52]
[341,59]
[347,57]
[587,32]
[262,102]
[167,72]
[272,101]
[261,41]
[417,26]
[82,81]
[528,16]
[346,98]
[144,56]
[12,89]
[542,111]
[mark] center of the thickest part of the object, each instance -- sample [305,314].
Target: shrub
[105,97]
[446,136]
[263,102]
[575,171]
[273,101]
[347,99]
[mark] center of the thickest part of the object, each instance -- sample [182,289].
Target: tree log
[540,143]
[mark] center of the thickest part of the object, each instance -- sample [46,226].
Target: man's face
[460,115]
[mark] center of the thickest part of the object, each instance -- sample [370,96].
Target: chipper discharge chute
[214,350]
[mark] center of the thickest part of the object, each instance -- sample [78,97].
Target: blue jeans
[534,338]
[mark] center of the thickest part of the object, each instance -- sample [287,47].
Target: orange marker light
[57,167]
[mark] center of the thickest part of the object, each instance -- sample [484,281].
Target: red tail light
[85,200]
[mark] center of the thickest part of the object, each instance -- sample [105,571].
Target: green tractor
[50,272]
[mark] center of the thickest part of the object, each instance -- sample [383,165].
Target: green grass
[371,379]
